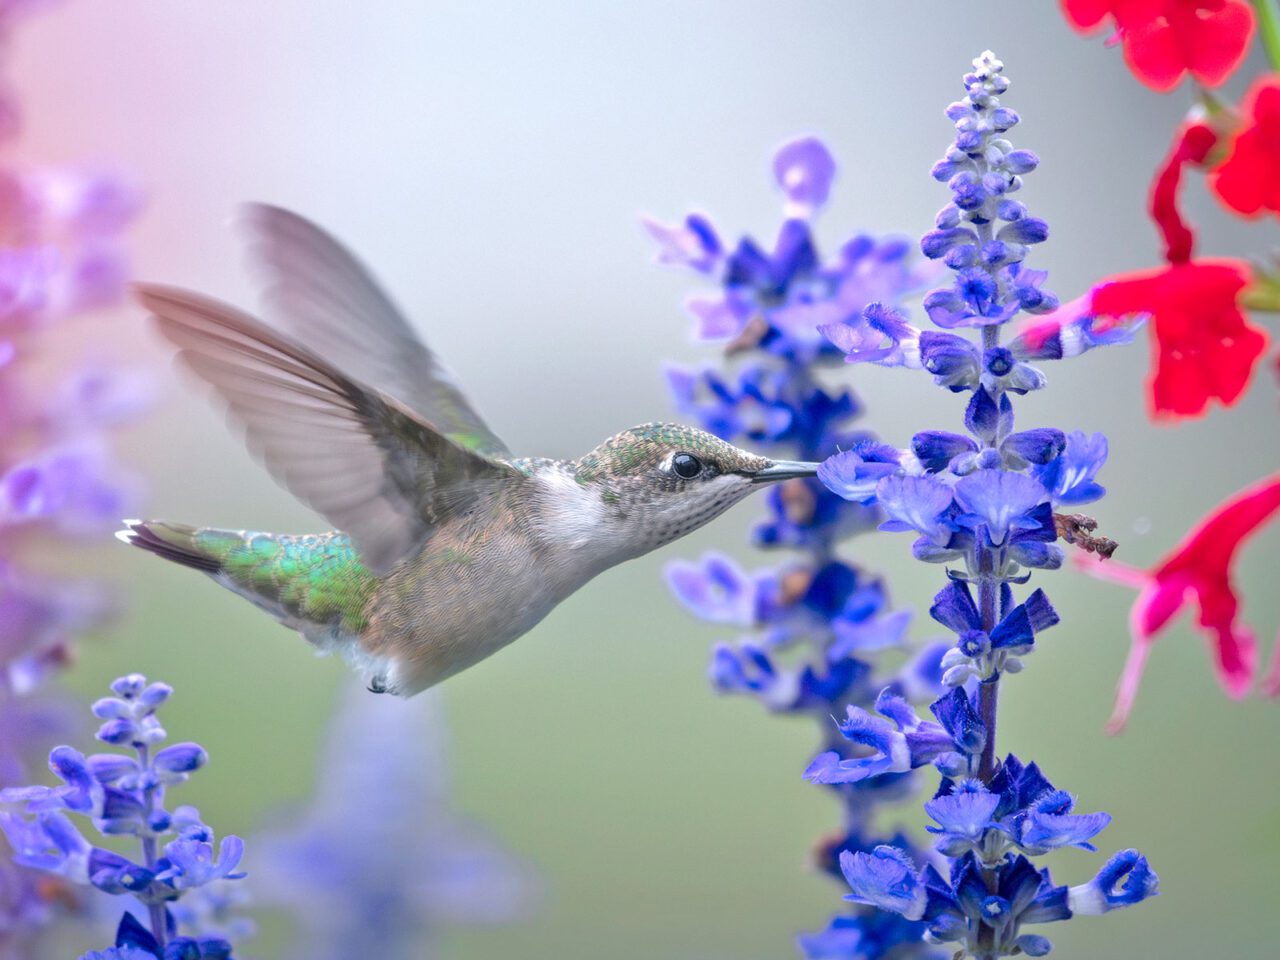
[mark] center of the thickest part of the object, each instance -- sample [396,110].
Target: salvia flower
[815,625]
[986,503]
[124,795]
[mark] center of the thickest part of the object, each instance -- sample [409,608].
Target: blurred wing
[367,463]
[319,292]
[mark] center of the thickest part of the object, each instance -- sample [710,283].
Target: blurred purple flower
[61,254]
[804,169]
[776,299]
[379,863]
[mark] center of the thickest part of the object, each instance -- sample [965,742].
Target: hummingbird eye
[686,466]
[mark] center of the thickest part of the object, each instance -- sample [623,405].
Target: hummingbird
[446,546]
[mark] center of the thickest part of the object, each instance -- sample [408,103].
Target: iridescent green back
[314,577]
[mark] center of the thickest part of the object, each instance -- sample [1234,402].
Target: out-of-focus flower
[1164,40]
[775,299]
[378,863]
[814,625]
[1248,180]
[61,255]
[1198,571]
[1203,346]
[124,796]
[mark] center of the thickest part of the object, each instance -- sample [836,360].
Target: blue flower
[119,953]
[124,796]
[1126,879]
[871,935]
[981,654]
[1049,824]
[775,300]
[1000,501]
[964,815]
[191,862]
[854,477]
[1069,477]
[906,743]
[136,942]
[984,501]
[379,839]
[875,334]
[922,504]
[804,169]
[50,842]
[692,244]
[718,590]
[884,878]
[114,874]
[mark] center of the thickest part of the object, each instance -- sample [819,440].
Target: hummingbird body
[450,548]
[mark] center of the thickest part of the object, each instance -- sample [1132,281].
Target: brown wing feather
[371,466]
[314,287]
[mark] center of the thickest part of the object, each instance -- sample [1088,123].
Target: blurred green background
[491,160]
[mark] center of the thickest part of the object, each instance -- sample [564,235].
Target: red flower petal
[1191,144]
[1086,14]
[1248,181]
[1198,569]
[1215,36]
[1163,39]
[1204,349]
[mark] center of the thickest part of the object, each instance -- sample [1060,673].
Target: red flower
[1191,145]
[1200,570]
[1248,181]
[1203,347]
[1164,39]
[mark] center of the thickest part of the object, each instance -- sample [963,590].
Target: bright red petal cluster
[1198,570]
[1204,348]
[1165,39]
[1248,181]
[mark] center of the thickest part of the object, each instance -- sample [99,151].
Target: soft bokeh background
[491,159]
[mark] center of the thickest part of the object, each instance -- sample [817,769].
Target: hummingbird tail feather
[314,583]
[173,541]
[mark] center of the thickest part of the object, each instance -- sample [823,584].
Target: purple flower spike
[804,169]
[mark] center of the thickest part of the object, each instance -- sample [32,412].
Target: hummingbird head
[659,481]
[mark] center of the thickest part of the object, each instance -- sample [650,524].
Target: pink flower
[1198,570]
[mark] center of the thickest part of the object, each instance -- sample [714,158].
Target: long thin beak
[784,470]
